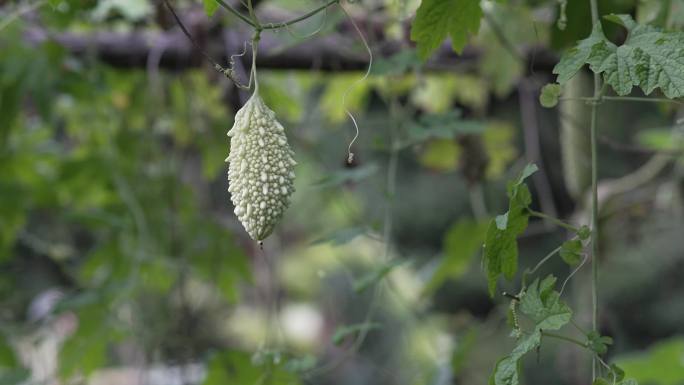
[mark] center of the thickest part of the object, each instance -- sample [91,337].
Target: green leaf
[342,332]
[660,364]
[575,58]
[571,252]
[598,343]
[501,246]
[231,368]
[376,275]
[649,59]
[549,95]
[210,7]
[438,19]
[584,232]
[461,242]
[541,303]
[507,370]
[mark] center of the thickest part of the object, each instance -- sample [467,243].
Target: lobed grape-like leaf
[541,303]
[438,19]
[649,59]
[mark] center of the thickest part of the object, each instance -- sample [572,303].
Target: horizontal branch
[173,51]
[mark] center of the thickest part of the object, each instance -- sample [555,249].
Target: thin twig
[624,99]
[300,18]
[228,72]
[553,219]
[189,36]
[543,260]
[235,12]
[565,338]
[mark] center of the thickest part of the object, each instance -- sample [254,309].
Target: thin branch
[548,256]
[553,219]
[300,18]
[624,99]
[228,72]
[235,12]
[189,36]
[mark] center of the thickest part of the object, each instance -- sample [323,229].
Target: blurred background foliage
[121,260]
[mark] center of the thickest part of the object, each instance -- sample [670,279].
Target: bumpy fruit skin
[261,168]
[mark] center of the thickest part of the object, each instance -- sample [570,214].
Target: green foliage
[210,7]
[461,242]
[541,303]
[649,59]
[549,95]
[87,349]
[571,252]
[661,364]
[598,343]
[10,372]
[438,19]
[501,246]
[239,368]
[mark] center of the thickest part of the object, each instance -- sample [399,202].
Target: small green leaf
[507,370]
[571,252]
[541,303]
[210,7]
[598,343]
[342,332]
[584,232]
[438,19]
[549,95]
[501,246]
[575,58]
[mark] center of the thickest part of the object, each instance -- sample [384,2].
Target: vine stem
[300,18]
[251,20]
[624,99]
[565,338]
[546,258]
[594,195]
[553,219]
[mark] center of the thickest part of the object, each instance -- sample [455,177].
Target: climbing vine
[649,59]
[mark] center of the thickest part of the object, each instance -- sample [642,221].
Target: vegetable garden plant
[261,170]
[649,58]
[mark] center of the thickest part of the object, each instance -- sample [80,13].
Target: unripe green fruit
[261,168]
